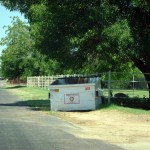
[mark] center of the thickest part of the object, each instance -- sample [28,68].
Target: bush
[132,102]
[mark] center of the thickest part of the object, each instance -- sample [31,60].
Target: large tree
[70,31]
[76,31]
[18,44]
[20,58]
[136,14]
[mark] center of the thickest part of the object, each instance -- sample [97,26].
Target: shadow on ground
[15,87]
[36,105]
[43,105]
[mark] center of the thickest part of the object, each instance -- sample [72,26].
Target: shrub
[132,102]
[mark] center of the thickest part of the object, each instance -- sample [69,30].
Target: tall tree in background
[136,14]
[76,31]
[20,59]
[71,31]
[18,44]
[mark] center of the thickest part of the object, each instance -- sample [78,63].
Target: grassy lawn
[130,93]
[126,109]
[133,93]
[38,98]
[34,97]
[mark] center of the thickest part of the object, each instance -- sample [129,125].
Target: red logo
[71,99]
[87,88]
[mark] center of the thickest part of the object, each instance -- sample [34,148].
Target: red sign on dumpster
[71,98]
[87,88]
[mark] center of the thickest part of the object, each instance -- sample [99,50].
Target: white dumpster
[69,94]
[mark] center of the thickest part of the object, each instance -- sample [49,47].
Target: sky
[5,20]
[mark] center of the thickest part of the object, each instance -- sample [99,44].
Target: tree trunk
[145,69]
[147,77]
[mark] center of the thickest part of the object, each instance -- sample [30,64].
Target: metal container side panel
[57,106]
[98,102]
[71,85]
[78,88]
[73,97]
[98,85]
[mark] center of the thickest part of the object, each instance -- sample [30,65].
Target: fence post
[133,86]
[109,86]
[27,81]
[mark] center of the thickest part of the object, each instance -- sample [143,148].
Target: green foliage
[0,72]
[132,102]
[90,36]
[144,4]
[128,110]
[20,58]
[18,44]
[76,32]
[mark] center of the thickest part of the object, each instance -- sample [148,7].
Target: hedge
[142,103]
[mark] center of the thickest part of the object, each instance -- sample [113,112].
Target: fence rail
[45,81]
[130,84]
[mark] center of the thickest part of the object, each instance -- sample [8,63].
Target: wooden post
[109,87]
[133,81]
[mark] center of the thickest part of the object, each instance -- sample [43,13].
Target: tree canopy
[106,33]
[18,44]
[20,58]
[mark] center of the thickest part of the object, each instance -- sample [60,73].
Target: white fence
[131,84]
[45,81]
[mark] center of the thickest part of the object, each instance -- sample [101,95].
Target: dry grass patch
[128,130]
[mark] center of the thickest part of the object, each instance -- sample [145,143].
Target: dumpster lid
[76,80]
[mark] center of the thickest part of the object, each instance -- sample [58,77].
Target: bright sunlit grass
[33,97]
[126,109]
[27,93]
[38,97]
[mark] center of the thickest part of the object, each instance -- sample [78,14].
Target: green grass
[130,93]
[126,109]
[36,98]
[134,93]
[28,92]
